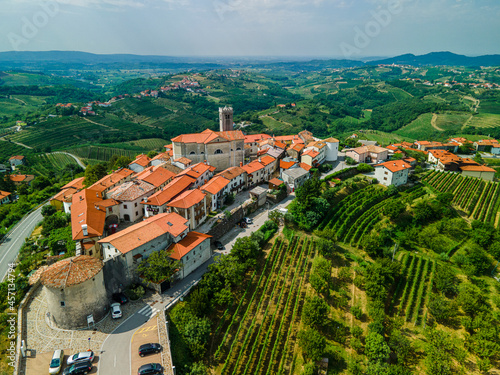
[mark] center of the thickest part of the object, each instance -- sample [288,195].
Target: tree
[121,162]
[325,247]
[320,277]
[315,312]
[364,168]
[159,267]
[94,173]
[350,161]
[276,217]
[51,223]
[40,183]
[313,344]
[245,249]
[394,208]
[402,346]
[152,154]
[438,349]
[445,280]
[441,309]
[376,349]
[484,365]
[48,210]
[470,298]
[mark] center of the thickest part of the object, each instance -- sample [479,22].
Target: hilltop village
[164,202]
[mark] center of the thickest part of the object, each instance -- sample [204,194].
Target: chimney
[241,164]
[84,229]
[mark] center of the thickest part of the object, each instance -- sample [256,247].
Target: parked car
[56,362]
[219,245]
[78,368]
[116,310]
[150,368]
[120,298]
[81,357]
[248,220]
[150,348]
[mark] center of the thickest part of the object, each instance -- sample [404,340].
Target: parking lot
[41,365]
[148,333]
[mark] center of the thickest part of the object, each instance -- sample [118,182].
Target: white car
[116,310]
[81,357]
[248,220]
[56,362]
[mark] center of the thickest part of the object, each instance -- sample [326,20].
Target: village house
[255,173]
[140,163]
[19,179]
[393,172]
[252,142]
[332,149]
[191,205]
[137,242]
[321,149]
[270,166]
[487,145]
[192,251]
[295,150]
[182,163]
[17,160]
[156,176]
[63,199]
[473,169]
[130,195]
[109,181]
[310,157]
[237,178]
[201,172]
[428,146]
[294,177]
[5,197]
[216,189]
[157,203]
[160,159]
[368,154]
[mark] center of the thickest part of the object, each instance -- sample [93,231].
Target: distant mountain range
[60,60]
[441,58]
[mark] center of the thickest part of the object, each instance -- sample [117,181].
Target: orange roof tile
[395,165]
[64,195]
[4,194]
[312,153]
[208,136]
[187,199]
[107,203]
[111,179]
[170,191]
[16,157]
[71,271]
[84,211]
[130,191]
[141,160]
[298,147]
[215,185]
[232,172]
[331,140]
[197,170]
[252,138]
[267,159]
[279,145]
[162,156]
[21,177]
[252,167]
[276,181]
[476,168]
[183,247]
[155,176]
[305,166]
[146,231]
[183,160]
[77,183]
[286,164]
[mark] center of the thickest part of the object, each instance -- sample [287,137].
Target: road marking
[115,361]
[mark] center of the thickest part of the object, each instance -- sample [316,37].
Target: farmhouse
[19,179]
[5,197]
[393,172]
[368,154]
[192,251]
[17,160]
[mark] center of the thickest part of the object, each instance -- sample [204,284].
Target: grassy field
[8,149]
[485,120]
[419,128]
[141,145]
[452,121]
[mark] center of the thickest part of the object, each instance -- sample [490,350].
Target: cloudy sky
[321,28]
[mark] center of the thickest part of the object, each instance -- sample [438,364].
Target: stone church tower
[226,119]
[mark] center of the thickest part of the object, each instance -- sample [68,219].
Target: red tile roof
[187,199]
[64,195]
[197,170]
[311,153]
[232,172]
[286,164]
[77,183]
[84,211]
[395,165]
[71,271]
[141,160]
[183,160]
[111,179]
[146,231]
[215,185]
[276,181]
[252,167]
[4,194]
[21,177]
[208,136]
[252,138]
[183,247]
[305,166]
[170,191]
[298,147]
[476,168]
[156,176]
[16,157]
[267,159]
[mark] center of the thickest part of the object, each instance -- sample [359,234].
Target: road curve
[12,243]
[71,155]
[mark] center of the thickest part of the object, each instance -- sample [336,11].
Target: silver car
[56,362]
[81,357]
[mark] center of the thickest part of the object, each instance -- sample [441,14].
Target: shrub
[365,168]
[350,161]
[135,292]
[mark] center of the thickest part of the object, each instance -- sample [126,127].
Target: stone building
[226,119]
[75,289]
[220,149]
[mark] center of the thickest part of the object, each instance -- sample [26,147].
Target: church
[222,149]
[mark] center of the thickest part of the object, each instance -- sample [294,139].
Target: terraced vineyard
[101,153]
[475,196]
[48,163]
[261,335]
[412,292]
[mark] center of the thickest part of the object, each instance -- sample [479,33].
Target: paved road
[72,156]
[12,243]
[115,355]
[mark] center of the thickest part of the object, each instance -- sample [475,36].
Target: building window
[194,252]
[63,304]
[238,149]
[187,257]
[385,178]
[136,213]
[135,205]
[124,206]
[192,153]
[218,151]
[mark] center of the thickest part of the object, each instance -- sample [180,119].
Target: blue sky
[323,28]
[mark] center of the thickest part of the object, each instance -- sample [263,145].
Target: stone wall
[220,229]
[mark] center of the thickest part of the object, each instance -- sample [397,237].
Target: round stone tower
[75,289]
